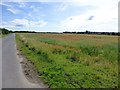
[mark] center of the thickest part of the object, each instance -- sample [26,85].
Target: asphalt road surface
[12,75]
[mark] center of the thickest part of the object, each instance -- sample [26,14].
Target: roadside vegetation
[72,60]
[0,33]
[4,32]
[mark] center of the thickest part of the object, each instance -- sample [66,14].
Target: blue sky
[59,16]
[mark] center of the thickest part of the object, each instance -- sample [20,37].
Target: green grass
[2,36]
[77,64]
[0,33]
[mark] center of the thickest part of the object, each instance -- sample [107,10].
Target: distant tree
[98,33]
[5,31]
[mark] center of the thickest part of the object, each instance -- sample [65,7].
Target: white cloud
[105,15]
[32,6]
[105,18]
[23,23]
[77,2]
[14,0]
[62,7]
[3,4]
[35,12]
[13,10]
[88,2]
[38,23]
[7,25]
[22,4]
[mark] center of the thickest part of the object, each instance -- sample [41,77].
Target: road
[12,75]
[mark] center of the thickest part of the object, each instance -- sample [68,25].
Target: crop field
[72,60]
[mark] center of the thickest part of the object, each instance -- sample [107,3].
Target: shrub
[74,57]
[26,44]
[39,52]
[90,50]
[33,49]
[57,51]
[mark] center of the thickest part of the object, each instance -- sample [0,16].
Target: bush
[33,49]
[26,44]
[74,57]
[57,51]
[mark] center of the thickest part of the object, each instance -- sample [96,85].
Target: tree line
[25,32]
[5,31]
[98,33]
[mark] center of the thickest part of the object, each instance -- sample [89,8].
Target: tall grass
[71,64]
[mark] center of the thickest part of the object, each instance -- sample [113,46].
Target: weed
[95,66]
[90,50]
[74,57]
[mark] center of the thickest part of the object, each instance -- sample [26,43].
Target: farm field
[72,60]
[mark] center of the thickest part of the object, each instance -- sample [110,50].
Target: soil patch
[30,71]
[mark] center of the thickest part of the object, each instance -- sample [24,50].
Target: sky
[60,15]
